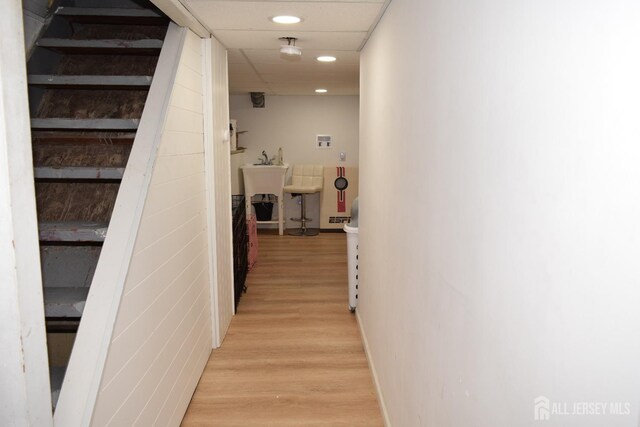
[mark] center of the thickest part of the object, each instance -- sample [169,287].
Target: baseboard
[374,373]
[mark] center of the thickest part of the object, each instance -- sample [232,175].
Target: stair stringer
[85,370]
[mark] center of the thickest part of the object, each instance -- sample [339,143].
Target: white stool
[305,179]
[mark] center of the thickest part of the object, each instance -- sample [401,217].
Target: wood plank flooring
[293,354]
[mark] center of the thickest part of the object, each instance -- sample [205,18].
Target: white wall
[502,264]
[292,122]
[25,397]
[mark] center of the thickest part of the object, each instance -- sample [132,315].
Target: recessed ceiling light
[321,91]
[286,19]
[326,58]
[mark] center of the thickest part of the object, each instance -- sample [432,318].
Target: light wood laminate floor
[293,355]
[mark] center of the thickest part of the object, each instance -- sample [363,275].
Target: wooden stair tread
[64,301]
[76,172]
[75,137]
[90,81]
[85,124]
[72,231]
[107,12]
[101,46]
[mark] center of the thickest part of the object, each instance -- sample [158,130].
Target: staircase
[89,77]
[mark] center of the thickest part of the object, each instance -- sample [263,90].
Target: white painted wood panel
[188,99]
[140,375]
[186,377]
[182,120]
[170,168]
[158,298]
[164,317]
[193,60]
[176,190]
[190,79]
[154,256]
[165,218]
[188,143]
[174,411]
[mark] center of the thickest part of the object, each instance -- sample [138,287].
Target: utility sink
[265,179]
[264,175]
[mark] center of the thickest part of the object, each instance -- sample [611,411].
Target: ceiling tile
[273,56]
[308,78]
[352,70]
[269,39]
[235,56]
[255,15]
[293,88]
[242,72]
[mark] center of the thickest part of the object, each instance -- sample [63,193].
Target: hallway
[293,354]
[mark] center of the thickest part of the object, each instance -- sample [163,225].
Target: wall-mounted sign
[323,141]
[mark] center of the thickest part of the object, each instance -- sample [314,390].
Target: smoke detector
[290,48]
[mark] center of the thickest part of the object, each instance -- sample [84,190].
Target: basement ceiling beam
[177,11]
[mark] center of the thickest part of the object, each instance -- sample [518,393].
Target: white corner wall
[25,396]
[162,334]
[502,263]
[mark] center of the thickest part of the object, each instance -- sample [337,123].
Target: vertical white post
[209,165]
[25,397]
[219,115]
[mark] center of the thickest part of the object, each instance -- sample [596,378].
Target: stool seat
[305,179]
[300,189]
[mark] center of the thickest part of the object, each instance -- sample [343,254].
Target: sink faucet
[266,160]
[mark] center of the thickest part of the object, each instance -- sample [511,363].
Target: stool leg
[301,216]
[307,231]
[298,231]
[303,230]
[303,213]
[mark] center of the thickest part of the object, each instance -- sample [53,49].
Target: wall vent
[257,99]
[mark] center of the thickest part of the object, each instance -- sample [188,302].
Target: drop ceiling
[329,27]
